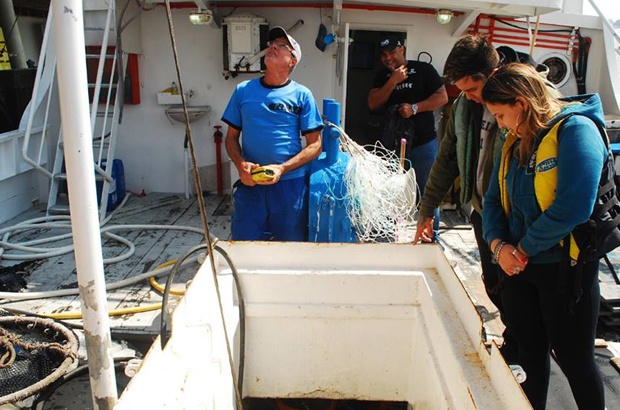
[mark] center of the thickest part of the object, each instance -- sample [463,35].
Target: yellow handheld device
[262,174]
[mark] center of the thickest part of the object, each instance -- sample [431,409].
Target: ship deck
[157,246]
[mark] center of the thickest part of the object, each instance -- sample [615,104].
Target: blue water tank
[328,218]
[116,193]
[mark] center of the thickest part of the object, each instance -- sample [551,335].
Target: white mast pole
[604,20]
[74,109]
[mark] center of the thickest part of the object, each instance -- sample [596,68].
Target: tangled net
[34,352]
[381,196]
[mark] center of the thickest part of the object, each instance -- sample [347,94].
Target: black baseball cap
[389,43]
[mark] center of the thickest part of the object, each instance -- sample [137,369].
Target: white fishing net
[381,196]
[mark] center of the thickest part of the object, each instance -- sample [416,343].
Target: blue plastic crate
[117,187]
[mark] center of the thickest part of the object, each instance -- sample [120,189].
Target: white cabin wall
[573,6]
[149,145]
[21,192]
[131,34]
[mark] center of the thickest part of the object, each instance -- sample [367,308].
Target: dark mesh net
[31,350]
[396,128]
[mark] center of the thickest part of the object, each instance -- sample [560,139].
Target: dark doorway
[360,123]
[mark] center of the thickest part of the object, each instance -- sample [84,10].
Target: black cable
[580,67]
[430,57]
[241,300]
[559,30]
[166,323]
[238,65]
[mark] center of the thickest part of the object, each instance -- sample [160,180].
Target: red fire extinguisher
[218,136]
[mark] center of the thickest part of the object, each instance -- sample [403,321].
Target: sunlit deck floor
[154,247]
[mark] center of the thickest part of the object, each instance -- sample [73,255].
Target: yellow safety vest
[545,175]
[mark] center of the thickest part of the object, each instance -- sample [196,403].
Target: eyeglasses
[281,46]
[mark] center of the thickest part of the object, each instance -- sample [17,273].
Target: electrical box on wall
[245,35]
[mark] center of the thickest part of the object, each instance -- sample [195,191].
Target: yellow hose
[125,311]
[115,312]
[158,287]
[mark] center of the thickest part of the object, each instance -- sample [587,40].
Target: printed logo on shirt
[285,108]
[403,86]
[546,165]
[486,125]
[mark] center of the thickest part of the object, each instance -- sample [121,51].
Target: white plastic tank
[389,322]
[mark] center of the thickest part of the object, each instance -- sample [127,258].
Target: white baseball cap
[280,32]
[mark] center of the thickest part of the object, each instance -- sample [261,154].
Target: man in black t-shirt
[408,92]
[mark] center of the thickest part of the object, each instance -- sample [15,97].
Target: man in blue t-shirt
[272,113]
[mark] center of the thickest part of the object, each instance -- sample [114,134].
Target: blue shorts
[278,211]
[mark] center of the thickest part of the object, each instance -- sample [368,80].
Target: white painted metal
[42,84]
[612,54]
[604,21]
[102,59]
[355,321]
[611,38]
[10,143]
[106,129]
[72,81]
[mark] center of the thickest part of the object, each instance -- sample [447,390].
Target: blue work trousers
[422,158]
[278,211]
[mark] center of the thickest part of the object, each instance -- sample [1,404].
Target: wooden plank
[161,209]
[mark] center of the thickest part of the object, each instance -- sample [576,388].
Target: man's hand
[405,110]
[399,74]
[377,97]
[245,173]
[277,173]
[424,230]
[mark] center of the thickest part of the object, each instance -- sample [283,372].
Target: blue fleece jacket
[581,154]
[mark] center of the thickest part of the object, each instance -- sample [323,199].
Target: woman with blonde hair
[544,184]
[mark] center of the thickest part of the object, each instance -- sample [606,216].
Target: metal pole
[604,20]
[12,36]
[74,111]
